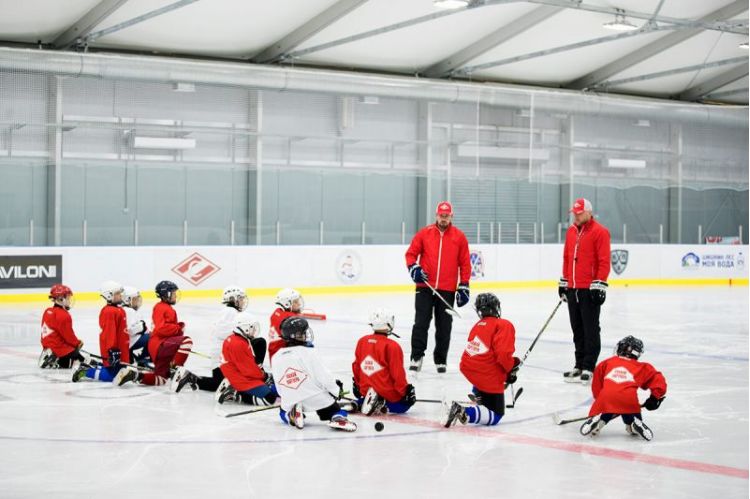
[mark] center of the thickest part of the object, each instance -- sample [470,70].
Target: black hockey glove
[418,275]
[410,397]
[562,289]
[143,327]
[652,403]
[267,378]
[598,292]
[113,357]
[355,389]
[462,294]
[513,374]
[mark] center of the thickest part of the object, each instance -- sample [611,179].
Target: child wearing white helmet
[379,380]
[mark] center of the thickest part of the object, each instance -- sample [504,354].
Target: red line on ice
[669,462]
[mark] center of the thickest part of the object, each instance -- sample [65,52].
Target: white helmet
[382,320]
[246,325]
[129,293]
[232,295]
[286,298]
[109,289]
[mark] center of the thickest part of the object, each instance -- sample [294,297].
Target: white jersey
[300,377]
[223,327]
[136,323]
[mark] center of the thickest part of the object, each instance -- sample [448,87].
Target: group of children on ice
[298,382]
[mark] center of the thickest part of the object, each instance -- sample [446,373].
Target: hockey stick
[549,319]
[257,409]
[533,343]
[199,354]
[516,396]
[559,421]
[450,310]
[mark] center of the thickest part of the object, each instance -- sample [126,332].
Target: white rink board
[325,266]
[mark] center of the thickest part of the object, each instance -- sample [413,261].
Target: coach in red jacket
[584,286]
[438,255]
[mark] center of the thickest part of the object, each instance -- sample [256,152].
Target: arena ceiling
[691,50]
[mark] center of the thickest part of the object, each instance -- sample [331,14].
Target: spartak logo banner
[619,260]
[196,268]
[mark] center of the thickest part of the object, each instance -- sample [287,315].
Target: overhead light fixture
[743,46]
[620,23]
[450,4]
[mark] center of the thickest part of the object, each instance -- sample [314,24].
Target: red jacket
[444,256]
[57,331]
[379,363]
[586,254]
[616,382]
[114,333]
[165,325]
[488,357]
[238,364]
[275,341]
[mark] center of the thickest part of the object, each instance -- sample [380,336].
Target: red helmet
[59,291]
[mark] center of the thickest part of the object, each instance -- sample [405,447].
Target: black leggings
[492,401]
[626,418]
[66,362]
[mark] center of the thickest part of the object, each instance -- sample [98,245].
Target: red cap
[444,208]
[581,205]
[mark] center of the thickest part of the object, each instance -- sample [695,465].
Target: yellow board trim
[389,288]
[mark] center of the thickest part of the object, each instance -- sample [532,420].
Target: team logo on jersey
[620,375]
[477,264]
[476,347]
[196,268]
[348,266]
[691,261]
[619,259]
[292,378]
[370,366]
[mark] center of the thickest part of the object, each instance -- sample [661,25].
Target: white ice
[61,439]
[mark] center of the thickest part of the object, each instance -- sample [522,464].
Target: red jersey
[379,363]
[57,331]
[616,382]
[275,341]
[488,357]
[165,324]
[114,333]
[444,256]
[586,255]
[238,365]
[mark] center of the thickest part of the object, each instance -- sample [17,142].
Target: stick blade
[556,418]
[453,313]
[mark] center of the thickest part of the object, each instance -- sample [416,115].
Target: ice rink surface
[89,439]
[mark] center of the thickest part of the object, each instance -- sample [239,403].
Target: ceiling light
[450,4]
[743,45]
[620,23]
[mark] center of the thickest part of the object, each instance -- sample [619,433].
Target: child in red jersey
[290,302]
[615,388]
[244,379]
[60,345]
[168,346]
[114,340]
[378,370]
[488,363]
